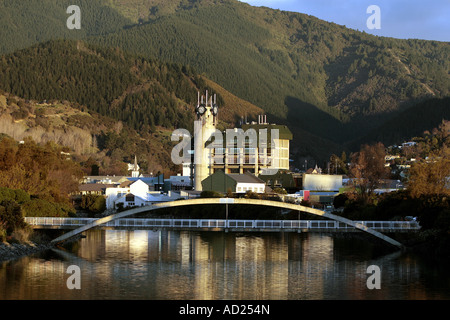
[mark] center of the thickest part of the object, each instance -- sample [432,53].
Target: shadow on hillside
[409,123]
[314,120]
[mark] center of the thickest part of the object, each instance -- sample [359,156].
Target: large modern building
[258,147]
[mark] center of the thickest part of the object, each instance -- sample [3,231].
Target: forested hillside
[100,144]
[412,122]
[330,84]
[141,92]
[104,103]
[289,61]
[27,22]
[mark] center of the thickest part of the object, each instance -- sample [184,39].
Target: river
[184,265]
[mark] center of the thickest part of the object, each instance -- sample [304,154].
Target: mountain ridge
[365,59]
[148,98]
[325,81]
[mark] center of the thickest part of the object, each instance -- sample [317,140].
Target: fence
[248,225]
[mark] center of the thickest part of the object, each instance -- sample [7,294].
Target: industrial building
[322,182]
[258,147]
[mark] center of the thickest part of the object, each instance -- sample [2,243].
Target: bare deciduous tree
[367,169]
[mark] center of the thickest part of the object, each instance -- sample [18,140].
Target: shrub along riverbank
[432,211]
[17,238]
[17,204]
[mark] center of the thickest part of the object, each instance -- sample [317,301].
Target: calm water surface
[169,265]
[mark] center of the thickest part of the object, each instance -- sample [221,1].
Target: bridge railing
[394,225]
[222,223]
[55,221]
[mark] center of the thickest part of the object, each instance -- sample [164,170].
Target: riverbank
[38,242]
[13,251]
[431,244]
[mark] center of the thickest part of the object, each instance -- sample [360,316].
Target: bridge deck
[230,201]
[221,225]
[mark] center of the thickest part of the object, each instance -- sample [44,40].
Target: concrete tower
[204,128]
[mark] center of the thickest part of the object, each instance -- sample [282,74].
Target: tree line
[426,196]
[35,180]
[27,22]
[42,171]
[322,64]
[144,93]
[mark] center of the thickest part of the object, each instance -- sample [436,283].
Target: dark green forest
[412,122]
[27,22]
[333,86]
[143,93]
[318,68]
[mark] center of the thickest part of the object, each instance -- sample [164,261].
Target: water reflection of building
[213,266]
[183,265]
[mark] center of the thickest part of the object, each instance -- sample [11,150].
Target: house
[132,200]
[135,193]
[188,194]
[98,189]
[178,182]
[388,185]
[234,182]
[154,183]
[408,144]
[104,179]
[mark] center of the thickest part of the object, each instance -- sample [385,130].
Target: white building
[322,182]
[178,182]
[236,183]
[248,182]
[133,194]
[134,168]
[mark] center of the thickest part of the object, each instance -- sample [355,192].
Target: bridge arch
[231,201]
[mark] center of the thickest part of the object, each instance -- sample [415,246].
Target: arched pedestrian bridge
[227,201]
